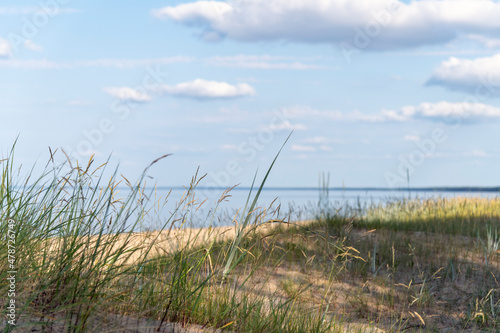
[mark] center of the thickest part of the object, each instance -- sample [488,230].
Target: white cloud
[477,153]
[391,24]
[128,94]
[5,49]
[314,144]
[229,147]
[106,63]
[456,154]
[322,140]
[194,12]
[316,140]
[283,125]
[307,112]
[30,45]
[132,63]
[414,138]
[203,89]
[262,62]
[303,148]
[490,43]
[286,125]
[239,130]
[33,64]
[467,112]
[469,75]
[449,51]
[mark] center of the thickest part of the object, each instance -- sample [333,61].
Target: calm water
[296,204]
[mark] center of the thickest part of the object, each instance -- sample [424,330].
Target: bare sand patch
[151,244]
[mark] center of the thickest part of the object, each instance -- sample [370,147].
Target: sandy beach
[153,244]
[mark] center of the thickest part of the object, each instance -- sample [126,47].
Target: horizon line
[370,188]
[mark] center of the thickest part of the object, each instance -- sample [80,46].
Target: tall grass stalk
[246,216]
[324,195]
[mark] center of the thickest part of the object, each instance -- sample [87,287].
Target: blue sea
[280,203]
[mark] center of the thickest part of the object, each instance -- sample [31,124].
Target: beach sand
[151,244]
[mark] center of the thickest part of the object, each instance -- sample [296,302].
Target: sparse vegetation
[415,265]
[81,265]
[430,265]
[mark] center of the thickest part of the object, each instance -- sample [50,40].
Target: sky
[369,91]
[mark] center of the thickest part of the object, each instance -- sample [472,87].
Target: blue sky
[371,88]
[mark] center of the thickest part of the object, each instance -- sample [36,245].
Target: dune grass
[465,216]
[429,265]
[85,264]
[81,266]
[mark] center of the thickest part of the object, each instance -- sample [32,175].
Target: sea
[204,207]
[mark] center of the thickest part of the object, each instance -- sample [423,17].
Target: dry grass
[421,265]
[81,265]
[425,268]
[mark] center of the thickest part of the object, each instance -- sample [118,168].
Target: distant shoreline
[351,189]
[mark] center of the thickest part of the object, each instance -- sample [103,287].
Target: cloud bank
[30,45]
[198,89]
[469,75]
[5,49]
[203,89]
[389,24]
[262,62]
[128,94]
[32,64]
[441,111]
[468,112]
